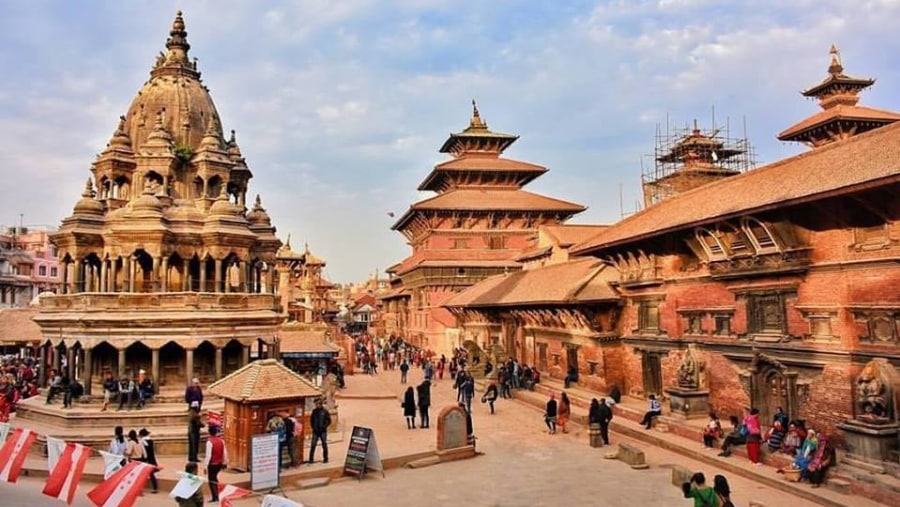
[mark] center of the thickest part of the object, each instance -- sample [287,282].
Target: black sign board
[362,453]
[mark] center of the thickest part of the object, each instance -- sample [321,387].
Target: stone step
[839,485]
[86,415]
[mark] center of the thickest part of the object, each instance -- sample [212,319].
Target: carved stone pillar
[64,283]
[42,371]
[70,362]
[245,357]
[103,276]
[154,369]
[203,276]
[87,370]
[78,285]
[164,275]
[188,365]
[185,275]
[218,363]
[127,275]
[121,366]
[218,275]
[154,275]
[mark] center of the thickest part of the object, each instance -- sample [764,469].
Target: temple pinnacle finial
[258,203]
[306,247]
[177,43]
[287,244]
[88,189]
[476,121]
[835,67]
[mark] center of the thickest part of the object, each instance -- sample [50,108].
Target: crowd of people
[18,381]
[135,446]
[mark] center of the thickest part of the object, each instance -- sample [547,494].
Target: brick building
[28,266]
[474,228]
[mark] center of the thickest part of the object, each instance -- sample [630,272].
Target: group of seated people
[812,452]
[133,392]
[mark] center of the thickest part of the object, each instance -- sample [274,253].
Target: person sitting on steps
[655,411]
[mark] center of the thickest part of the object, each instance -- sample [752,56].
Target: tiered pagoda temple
[841,116]
[163,266]
[474,227]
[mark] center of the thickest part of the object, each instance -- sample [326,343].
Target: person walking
[404,369]
[655,411]
[409,408]
[490,396]
[319,420]
[194,425]
[470,428]
[564,410]
[605,415]
[214,460]
[723,491]
[424,392]
[468,389]
[150,456]
[550,414]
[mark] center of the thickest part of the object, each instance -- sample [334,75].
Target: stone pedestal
[688,403]
[870,445]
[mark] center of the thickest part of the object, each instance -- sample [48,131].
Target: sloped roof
[836,113]
[489,163]
[304,340]
[862,161]
[579,281]
[457,258]
[16,325]
[572,234]
[495,199]
[264,380]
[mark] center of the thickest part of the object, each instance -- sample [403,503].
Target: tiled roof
[572,234]
[533,253]
[578,281]
[868,159]
[457,258]
[489,163]
[16,325]
[304,340]
[491,199]
[264,380]
[839,112]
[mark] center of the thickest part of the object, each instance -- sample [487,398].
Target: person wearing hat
[149,456]
[319,420]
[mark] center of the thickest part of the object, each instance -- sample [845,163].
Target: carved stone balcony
[160,300]
[789,261]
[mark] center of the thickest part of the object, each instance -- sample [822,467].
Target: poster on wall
[264,472]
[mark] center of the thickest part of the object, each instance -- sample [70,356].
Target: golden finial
[476,121]
[835,67]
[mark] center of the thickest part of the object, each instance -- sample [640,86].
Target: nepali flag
[63,479]
[123,487]
[227,493]
[13,453]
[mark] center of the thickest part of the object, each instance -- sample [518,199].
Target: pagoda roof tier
[579,281]
[481,169]
[490,200]
[817,125]
[838,168]
[837,82]
[477,138]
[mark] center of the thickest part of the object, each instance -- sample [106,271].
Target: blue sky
[340,107]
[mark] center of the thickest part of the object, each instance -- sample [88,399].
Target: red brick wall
[726,394]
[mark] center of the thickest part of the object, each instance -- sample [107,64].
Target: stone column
[104,274]
[121,366]
[245,357]
[154,275]
[164,275]
[64,283]
[87,366]
[218,276]
[218,363]
[189,364]
[203,276]
[127,275]
[76,277]
[57,361]
[154,369]
[185,275]
[70,362]
[42,371]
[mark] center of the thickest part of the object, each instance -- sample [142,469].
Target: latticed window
[497,242]
[759,234]
[648,316]
[766,313]
[711,244]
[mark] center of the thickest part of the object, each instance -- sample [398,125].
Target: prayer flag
[55,447]
[13,453]
[66,473]
[123,487]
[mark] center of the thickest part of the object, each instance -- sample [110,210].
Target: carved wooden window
[711,244]
[760,235]
[872,238]
[460,243]
[735,240]
[497,242]
[723,324]
[693,323]
[766,313]
[648,316]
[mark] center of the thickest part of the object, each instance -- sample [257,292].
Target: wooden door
[652,374]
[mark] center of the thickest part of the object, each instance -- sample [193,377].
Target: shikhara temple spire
[476,123]
[177,43]
[835,68]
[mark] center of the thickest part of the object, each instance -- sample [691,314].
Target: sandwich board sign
[264,472]
[362,453]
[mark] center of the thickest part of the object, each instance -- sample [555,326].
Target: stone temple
[163,267]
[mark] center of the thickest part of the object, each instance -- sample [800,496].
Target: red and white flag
[227,493]
[63,479]
[13,453]
[123,487]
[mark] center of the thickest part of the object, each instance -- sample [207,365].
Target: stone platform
[85,423]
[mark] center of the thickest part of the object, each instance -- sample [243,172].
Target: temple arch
[172,366]
[232,357]
[137,358]
[205,362]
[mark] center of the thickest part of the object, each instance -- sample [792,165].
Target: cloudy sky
[340,106]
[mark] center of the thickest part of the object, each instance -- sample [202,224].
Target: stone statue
[876,387]
[329,387]
[689,371]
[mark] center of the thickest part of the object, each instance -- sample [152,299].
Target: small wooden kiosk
[252,395]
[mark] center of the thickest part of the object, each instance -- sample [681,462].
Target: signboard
[264,473]
[362,453]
